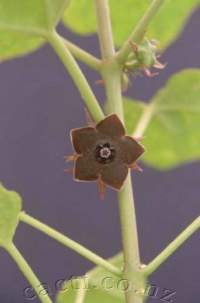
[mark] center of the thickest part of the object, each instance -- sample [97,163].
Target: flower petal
[111,126]
[130,150]
[86,169]
[114,175]
[83,138]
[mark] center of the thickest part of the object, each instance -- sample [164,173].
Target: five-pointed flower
[104,153]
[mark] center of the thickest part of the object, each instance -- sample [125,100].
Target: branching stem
[139,31]
[28,273]
[66,241]
[144,121]
[75,72]
[83,56]
[172,247]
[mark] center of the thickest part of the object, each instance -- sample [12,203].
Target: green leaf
[92,295]
[133,110]
[102,278]
[10,207]
[101,286]
[80,17]
[172,137]
[24,24]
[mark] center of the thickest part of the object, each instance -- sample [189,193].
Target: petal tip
[112,126]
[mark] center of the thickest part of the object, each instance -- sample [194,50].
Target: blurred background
[39,105]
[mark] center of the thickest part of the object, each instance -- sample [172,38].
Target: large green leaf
[173,135]
[101,286]
[24,22]
[10,207]
[80,17]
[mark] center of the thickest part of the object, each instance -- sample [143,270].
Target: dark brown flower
[104,153]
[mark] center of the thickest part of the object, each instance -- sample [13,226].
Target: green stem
[145,119]
[81,292]
[83,56]
[111,72]
[129,226]
[75,72]
[105,29]
[28,273]
[112,77]
[81,250]
[172,247]
[139,32]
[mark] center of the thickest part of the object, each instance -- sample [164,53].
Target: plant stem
[28,273]
[112,77]
[172,247]
[81,250]
[110,70]
[81,292]
[145,119]
[105,29]
[75,72]
[139,32]
[83,56]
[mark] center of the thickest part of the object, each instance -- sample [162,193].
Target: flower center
[104,153]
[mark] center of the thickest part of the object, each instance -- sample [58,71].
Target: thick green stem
[28,273]
[66,241]
[83,56]
[172,247]
[139,32]
[79,79]
[105,29]
[129,226]
[112,77]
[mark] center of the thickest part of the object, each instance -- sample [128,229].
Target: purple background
[38,106]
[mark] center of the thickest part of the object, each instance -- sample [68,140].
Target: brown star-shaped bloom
[104,153]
